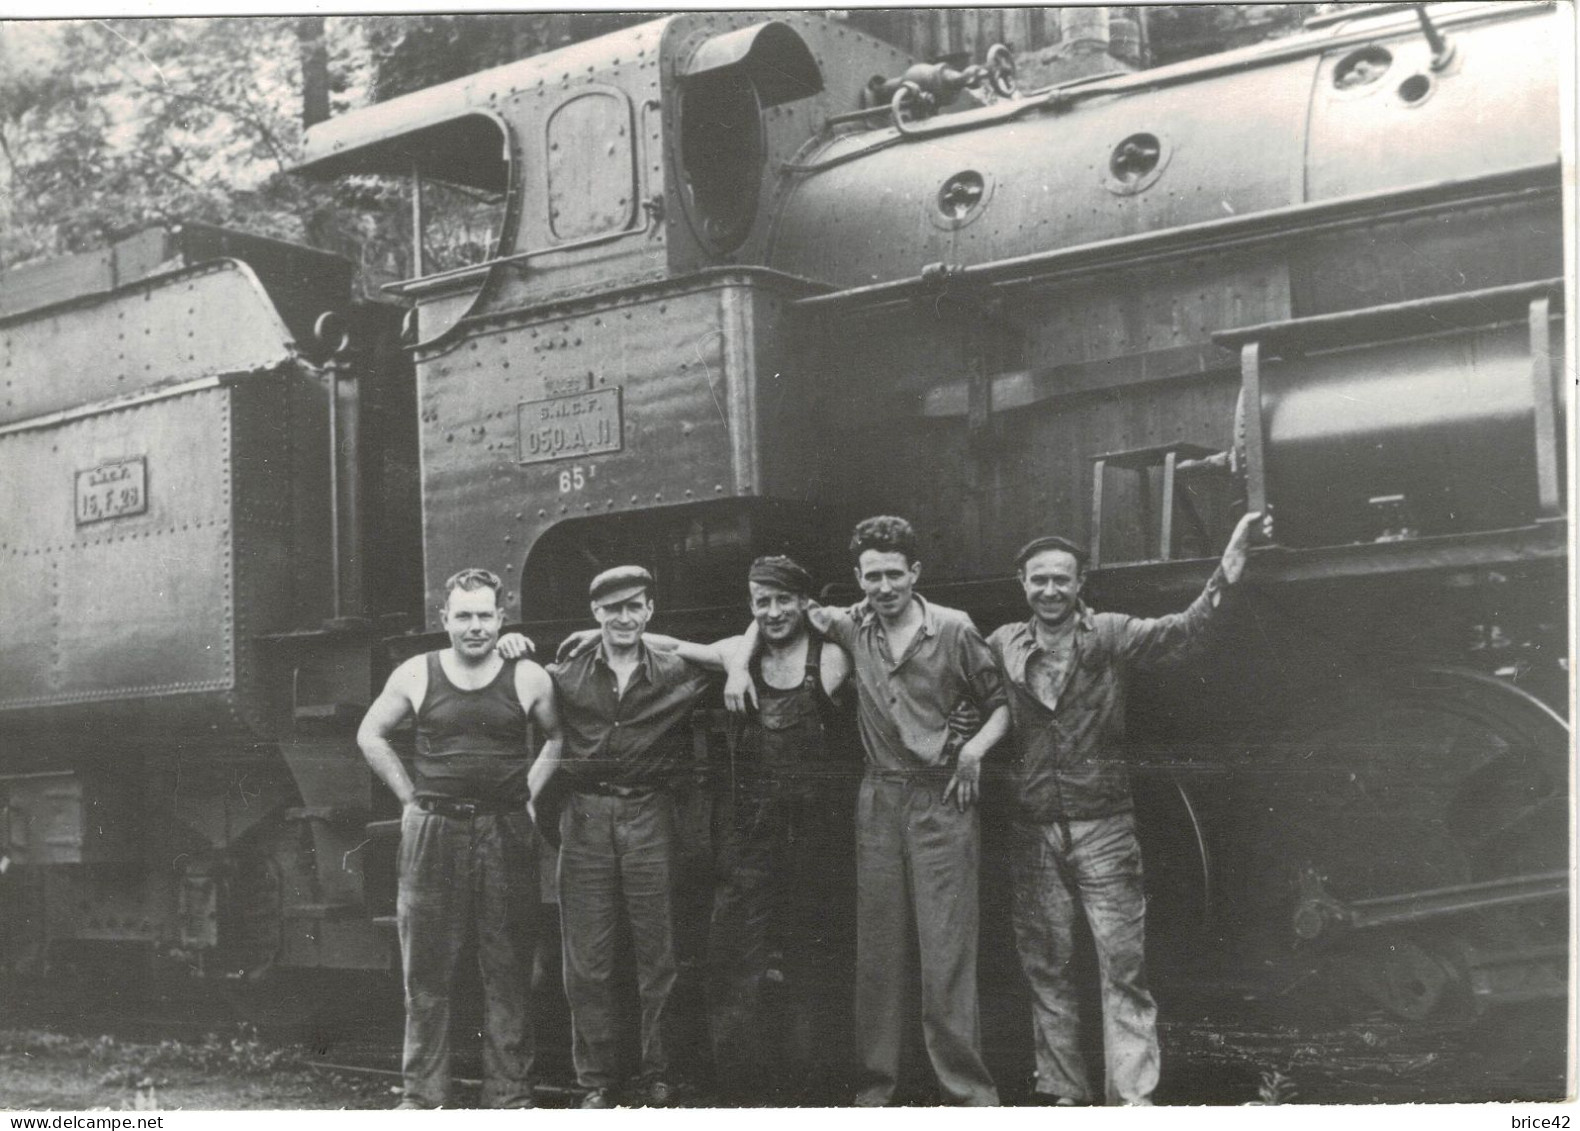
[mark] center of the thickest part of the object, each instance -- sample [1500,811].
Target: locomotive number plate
[112,490]
[561,427]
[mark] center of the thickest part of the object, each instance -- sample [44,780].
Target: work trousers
[458,877]
[617,856]
[916,906]
[784,864]
[1062,870]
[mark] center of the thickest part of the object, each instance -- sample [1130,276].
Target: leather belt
[466,810]
[614,789]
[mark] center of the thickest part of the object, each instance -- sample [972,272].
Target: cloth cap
[619,583]
[1051,542]
[782,573]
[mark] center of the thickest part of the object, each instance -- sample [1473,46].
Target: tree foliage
[408,53]
[1184,31]
[107,126]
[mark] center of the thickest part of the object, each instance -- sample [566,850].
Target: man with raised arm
[917,835]
[1075,851]
[468,862]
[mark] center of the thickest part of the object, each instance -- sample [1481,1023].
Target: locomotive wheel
[1440,778]
[1407,979]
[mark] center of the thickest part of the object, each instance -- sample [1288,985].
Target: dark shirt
[903,704]
[1070,738]
[633,740]
[472,744]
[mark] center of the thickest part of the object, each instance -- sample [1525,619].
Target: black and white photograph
[780,559]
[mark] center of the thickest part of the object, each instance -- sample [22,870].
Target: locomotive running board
[1317,910]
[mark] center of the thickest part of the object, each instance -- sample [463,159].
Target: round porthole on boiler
[960,199]
[1362,67]
[1136,163]
[1415,90]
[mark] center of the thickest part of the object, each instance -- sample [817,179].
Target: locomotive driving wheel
[1416,836]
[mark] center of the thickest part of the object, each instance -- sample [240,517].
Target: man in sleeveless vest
[785,855]
[468,865]
[918,845]
[625,709]
[1075,850]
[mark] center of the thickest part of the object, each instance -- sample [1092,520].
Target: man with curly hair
[918,841]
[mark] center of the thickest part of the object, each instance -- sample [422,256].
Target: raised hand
[1234,554]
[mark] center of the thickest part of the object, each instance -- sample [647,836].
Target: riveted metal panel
[592,175]
[350,142]
[160,604]
[1092,364]
[139,604]
[30,602]
[267,535]
[1493,107]
[1488,244]
[1229,145]
[684,360]
[973,513]
[1151,323]
[176,328]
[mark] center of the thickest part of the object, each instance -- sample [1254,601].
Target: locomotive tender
[720,284]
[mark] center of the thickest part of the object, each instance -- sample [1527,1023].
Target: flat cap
[619,583]
[1051,542]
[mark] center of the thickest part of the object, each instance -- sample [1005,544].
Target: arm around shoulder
[835,669]
[839,625]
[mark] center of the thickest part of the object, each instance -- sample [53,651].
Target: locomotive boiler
[719,285]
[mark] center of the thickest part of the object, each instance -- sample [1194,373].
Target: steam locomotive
[720,284]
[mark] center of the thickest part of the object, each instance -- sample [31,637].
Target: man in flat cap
[918,845]
[1075,851]
[624,709]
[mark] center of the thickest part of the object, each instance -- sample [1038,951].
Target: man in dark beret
[1075,852]
[785,853]
[624,709]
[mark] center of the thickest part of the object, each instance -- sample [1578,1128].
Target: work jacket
[1070,755]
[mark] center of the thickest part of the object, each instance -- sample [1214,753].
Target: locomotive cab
[645,152]
[592,374]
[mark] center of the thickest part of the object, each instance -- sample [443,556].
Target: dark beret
[1051,542]
[782,573]
[613,584]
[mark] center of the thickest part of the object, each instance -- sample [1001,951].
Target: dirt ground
[81,1046]
[1211,1064]
[45,1071]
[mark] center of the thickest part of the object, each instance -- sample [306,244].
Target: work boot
[597,1098]
[659,1092]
